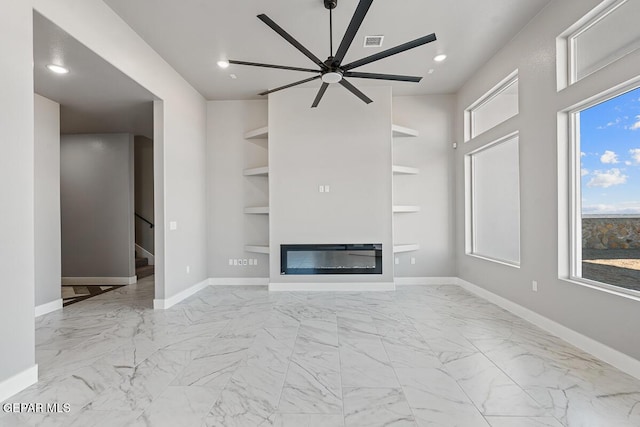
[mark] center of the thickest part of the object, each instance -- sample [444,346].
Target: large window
[493,204]
[606,192]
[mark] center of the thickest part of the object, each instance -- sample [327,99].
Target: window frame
[469,112]
[570,121]
[470,217]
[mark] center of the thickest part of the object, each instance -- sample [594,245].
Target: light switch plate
[173,225]
[321,188]
[327,188]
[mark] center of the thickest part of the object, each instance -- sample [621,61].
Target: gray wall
[431,189]
[47,200]
[343,143]
[599,315]
[96,200]
[16,190]
[143,167]
[229,191]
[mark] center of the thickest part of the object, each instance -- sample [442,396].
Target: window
[606,34]
[493,108]
[493,201]
[605,212]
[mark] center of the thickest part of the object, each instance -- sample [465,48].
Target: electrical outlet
[255,261]
[534,286]
[250,261]
[397,260]
[235,262]
[413,260]
[327,188]
[244,262]
[188,269]
[321,188]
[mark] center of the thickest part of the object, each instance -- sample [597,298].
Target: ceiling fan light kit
[332,70]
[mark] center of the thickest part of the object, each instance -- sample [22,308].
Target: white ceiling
[94,97]
[192,35]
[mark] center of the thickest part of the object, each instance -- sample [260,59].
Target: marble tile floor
[241,356]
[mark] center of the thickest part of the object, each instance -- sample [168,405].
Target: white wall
[97,205]
[601,316]
[47,200]
[229,191]
[346,144]
[179,136]
[17,249]
[432,152]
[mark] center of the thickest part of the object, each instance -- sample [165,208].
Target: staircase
[143,269]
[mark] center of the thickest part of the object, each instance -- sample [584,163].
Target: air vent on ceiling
[373,41]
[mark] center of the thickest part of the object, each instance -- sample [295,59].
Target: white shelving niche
[398,170]
[260,172]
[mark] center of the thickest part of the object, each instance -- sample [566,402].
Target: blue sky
[610,153]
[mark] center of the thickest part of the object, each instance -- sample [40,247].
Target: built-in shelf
[397,131]
[261,171]
[258,249]
[404,170]
[405,209]
[257,210]
[405,248]
[403,132]
[260,133]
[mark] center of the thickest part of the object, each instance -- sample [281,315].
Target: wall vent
[373,41]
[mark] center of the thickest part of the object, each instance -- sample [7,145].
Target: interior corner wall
[17,265]
[47,200]
[143,191]
[96,202]
[432,153]
[601,316]
[343,143]
[181,161]
[229,191]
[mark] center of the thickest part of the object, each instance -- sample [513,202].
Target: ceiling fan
[332,70]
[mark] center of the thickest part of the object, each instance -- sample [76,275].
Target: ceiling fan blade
[389,52]
[290,85]
[320,94]
[413,79]
[351,88]
[281,67]
[275,27]
[352,29]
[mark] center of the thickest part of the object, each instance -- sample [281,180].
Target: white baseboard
[92,281]
[43,309]
[408,281]
[163,304]
[146,254]
[334,287]
[603,352]
[239,281]
[18,382]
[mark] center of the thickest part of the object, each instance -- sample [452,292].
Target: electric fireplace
[347,258]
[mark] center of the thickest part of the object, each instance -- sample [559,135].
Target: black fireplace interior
[331,259]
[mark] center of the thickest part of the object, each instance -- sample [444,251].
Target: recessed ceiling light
[223,64]
[431,70]
[57,69]
[440,58]
[233,76]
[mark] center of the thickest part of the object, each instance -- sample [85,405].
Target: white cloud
[582,154]
[635,154]
[618,208]
[609,157]
[584,172]
[628,163]
[607,178]
[636,125]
